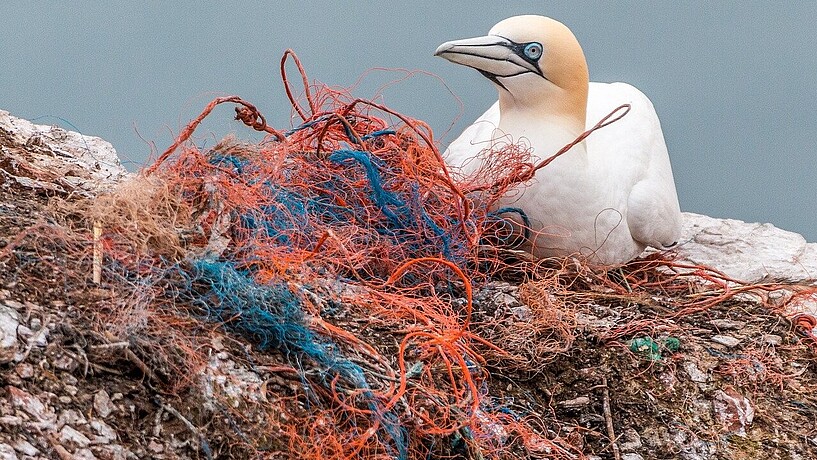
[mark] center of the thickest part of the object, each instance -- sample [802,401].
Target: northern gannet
[609,196]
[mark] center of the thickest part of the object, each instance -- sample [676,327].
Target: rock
[11,420]
[71,417]
[31,405]
[734,411]
[155,447]
[581,401]
[695,374]
[102,404]
[25,370]
[505,300]
[84,454]
[7,452]
[772,339]
[631,456]
[73,438]
[40,338]
[37,339]
[631,440]
[24,332]
[68,379]
[521,313]
[727,324]
[15,305]
[115,452]
[24,447]
[749,252]
[104,433]
[9,322]
[693,448]
[232,380]
[53,159]
[726,340]
[65,363]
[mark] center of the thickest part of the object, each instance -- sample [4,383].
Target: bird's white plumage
[608,197]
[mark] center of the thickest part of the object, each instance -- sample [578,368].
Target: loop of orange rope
[312,108]
[806,324]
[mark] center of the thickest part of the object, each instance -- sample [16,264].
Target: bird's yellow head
[536,63]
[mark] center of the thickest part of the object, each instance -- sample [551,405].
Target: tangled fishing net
[344,248]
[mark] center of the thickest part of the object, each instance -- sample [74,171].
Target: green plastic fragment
[643,344]
[647,347]
[672,343]
[651,349]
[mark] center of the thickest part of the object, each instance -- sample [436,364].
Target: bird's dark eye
[533,50]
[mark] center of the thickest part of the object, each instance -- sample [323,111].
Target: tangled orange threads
[447,345]
[468,290]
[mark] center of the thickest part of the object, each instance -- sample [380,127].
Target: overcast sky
[733,82]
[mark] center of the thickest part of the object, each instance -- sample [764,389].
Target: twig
[105,346]
[129,354]
[97,261]
[203,444]
[608,416]
[81,353]
[140,364]
[100,367]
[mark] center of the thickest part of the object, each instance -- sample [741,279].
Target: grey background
[733,82]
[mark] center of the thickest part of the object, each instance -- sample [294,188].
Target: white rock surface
[9,322]
[7,452]
[52,158]
[733,410]
[41,414]
[24,447]
[102,403]
[749,252]
[69,436]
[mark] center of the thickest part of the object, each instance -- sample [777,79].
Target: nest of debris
[333,291]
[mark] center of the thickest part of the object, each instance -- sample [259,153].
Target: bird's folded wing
[640,161]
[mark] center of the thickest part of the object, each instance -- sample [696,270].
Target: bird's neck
[549,101]
[547,128]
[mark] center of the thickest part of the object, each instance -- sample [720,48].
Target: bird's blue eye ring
[533,50]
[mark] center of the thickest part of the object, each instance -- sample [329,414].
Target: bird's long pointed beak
[492,55]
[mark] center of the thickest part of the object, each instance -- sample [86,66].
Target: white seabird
[609,196]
